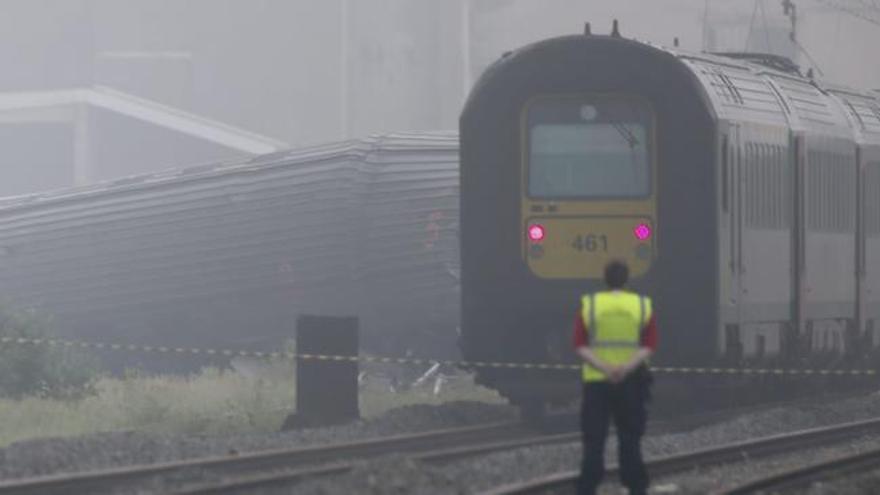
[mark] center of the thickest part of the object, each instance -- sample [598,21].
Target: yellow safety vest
[614,321]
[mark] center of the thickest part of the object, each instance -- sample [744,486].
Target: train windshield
[582,148]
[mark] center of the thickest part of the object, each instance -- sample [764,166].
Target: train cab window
[589,148]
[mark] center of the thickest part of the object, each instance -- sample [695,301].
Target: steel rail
[245,483]
[287,458]
[286,465]
[260,481]
[677,463]
[803,476]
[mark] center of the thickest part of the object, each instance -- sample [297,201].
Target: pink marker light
[536,232]
[642,232]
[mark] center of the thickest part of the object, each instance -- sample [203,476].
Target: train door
[861,272]
[799,226]
[736,223]
[871,246]
[732,207]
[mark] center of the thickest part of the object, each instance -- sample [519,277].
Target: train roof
[308,221]
[358,149]
[759,83]
[757,87]
[772,89]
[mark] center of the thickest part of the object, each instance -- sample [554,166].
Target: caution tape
[415,361]
[763,371]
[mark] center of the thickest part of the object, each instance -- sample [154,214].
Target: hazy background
[289,73]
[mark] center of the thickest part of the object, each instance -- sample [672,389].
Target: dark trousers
[625,402]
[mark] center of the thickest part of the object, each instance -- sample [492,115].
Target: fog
[290,73]
[170,100]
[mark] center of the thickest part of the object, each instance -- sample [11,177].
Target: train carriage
[861,109]
[230,254]
[739,192]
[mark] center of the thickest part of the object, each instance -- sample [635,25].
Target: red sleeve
[580,332]
[649,335]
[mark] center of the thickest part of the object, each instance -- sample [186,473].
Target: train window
[589,148]
[792,161]
[760,186]
[814,201]
[822,202]
[831,186]
[760,174]
[754,185]
[827,184]
[771,187]
[834,174]
[765,189]
[841,198]
[725,171]
[784,188]
[828,187]
[750,185]
[745,194]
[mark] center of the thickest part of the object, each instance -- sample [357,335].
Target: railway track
[801,477]
[437,454]
[241,472]
[249,469]
[246,483]
[663,466]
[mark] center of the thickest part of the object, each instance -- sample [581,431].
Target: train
[743,194]
[228,255]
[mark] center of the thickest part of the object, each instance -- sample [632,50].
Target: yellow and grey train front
[576,151]
[588,191]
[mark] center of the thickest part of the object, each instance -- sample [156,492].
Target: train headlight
[536,232]
[589,113]
[643,232]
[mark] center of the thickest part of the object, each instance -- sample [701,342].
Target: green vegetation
[212,401]
[40,370]
[48,391]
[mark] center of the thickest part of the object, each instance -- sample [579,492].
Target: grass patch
[211,402]
[40,370]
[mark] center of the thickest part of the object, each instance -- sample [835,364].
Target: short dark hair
[616,274]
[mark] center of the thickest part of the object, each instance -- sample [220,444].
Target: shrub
[40,369]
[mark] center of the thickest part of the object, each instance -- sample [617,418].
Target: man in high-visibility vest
[615,333]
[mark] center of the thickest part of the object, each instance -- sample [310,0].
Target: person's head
[616,274]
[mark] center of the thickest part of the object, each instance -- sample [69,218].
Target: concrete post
[326,390]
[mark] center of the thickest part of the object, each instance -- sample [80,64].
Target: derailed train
[228,255]
[744,196]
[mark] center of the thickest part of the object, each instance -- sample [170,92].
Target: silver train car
[230,254]
[744,195]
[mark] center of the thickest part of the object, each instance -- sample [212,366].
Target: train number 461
[590,243]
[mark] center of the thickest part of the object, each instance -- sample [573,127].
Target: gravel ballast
[398,474]
[729,476]
[106,450]
[502,468]
[852,484]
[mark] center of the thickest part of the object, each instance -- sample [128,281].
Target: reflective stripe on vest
[614,322]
